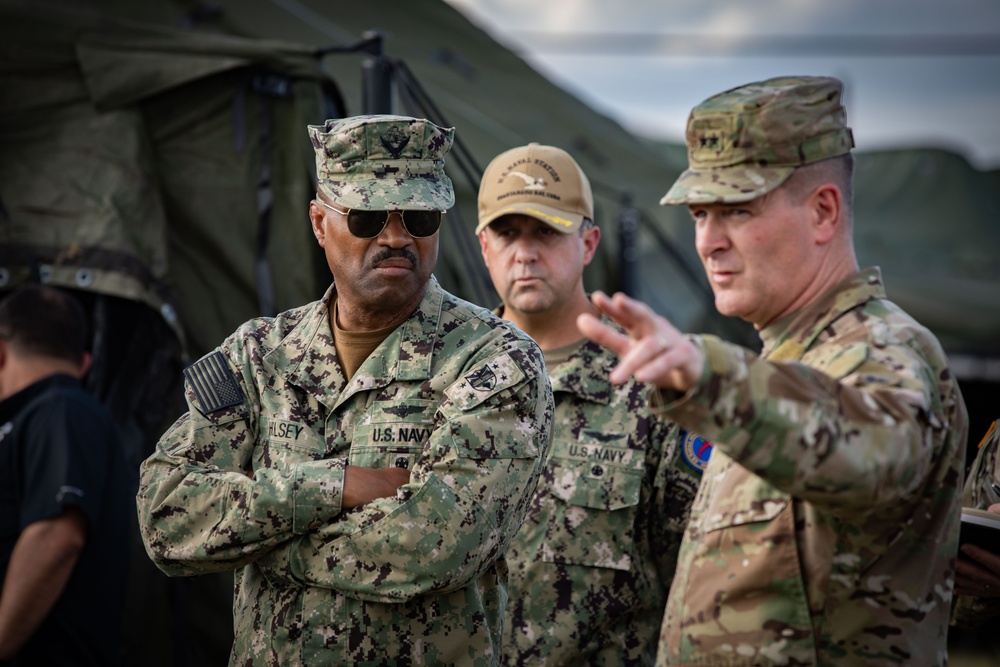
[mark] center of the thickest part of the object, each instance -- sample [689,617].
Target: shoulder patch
[695,450]
[213,383]
[482,381]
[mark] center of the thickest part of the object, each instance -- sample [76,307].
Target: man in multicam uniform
[362,461]
[977,581]
[592,563]
[825,528]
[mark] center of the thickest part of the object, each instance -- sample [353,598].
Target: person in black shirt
[64,492]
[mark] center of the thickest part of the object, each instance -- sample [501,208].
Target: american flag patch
[213,383]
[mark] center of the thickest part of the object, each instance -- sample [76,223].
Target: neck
[18,374]
[555,327]
[832,269]
[350,317]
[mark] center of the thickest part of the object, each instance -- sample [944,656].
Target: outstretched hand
[654,351]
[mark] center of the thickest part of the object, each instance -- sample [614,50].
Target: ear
[85,362]
[484,244]
[826,203]
[316,217]
[591,237]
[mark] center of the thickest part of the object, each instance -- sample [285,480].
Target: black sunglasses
[369,224]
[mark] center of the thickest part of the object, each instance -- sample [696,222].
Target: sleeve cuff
[317,493]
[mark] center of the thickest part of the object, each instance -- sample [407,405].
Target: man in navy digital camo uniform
[65,496]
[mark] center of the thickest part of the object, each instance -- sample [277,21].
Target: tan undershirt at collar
[353,347]
[560,355]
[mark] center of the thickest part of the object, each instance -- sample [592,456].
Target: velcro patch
[213,383]
[486,379]
[696,451]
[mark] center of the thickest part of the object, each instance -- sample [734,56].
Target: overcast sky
[918,73]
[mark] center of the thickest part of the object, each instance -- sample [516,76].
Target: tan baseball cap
[745,142]
[543,182]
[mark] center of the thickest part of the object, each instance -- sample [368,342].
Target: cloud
[672,57]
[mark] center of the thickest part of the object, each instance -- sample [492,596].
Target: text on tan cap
[543,182]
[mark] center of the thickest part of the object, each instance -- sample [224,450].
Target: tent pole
[376,77]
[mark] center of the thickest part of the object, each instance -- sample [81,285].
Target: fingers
[984,557]
[642,360]
[977,572]
[665,360]
[654,351]
[602,334]
[634,316]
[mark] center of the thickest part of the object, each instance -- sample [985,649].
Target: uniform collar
[800,330]
[586,373]
[307,357]
[10,406]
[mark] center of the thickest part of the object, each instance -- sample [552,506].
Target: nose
[709,235]
[394,234]
[525,251]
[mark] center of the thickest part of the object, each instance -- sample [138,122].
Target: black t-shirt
[59,448]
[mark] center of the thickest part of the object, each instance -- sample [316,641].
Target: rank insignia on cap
[696,451]
[213,383]
[482,380]
[709,141]
[394,141]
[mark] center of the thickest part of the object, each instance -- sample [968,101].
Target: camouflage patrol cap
[383,163]
[747,141]
[543,182]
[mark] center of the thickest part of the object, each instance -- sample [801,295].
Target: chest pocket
[393,434]
[736,498]
[281,442]
[593,488]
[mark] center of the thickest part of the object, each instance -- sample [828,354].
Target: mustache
[390,253]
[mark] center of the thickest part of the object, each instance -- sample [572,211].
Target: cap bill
[559,220]
[433,193]
[732,185]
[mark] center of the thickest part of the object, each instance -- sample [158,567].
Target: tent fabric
[122,67]
[929,219]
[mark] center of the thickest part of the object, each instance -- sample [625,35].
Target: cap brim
[558,220]
[388,194]
[731,185]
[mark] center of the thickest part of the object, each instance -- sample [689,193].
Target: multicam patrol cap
[383,163]
[543,182]
[747,141]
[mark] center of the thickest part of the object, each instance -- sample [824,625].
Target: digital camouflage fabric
[591,566]
[747,141]
[825,529]
[383,163]
[251,478]
[985,470]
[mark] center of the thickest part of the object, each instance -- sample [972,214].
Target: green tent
[153,157]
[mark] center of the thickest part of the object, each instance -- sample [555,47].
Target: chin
[531,306]
[732,309]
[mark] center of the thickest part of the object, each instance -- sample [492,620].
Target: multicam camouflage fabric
[826,526]
[985,470]
[454,394]
[383,163]
[591,566]
[746,141]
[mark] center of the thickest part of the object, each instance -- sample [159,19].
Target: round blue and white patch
[696,451]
